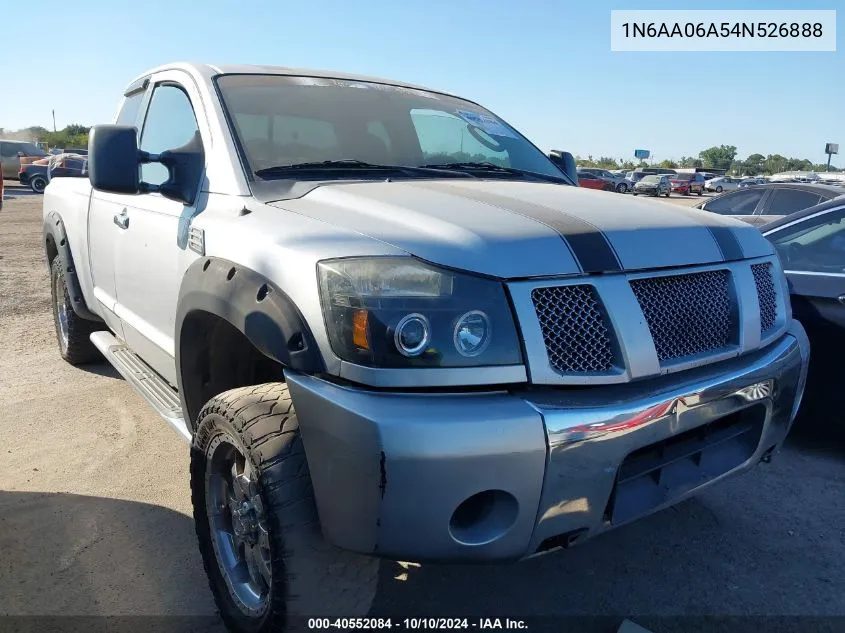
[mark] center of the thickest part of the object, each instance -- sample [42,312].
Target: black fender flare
[55,235]
[255,306]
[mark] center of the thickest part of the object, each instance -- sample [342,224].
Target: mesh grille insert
[766,295]
[687,314]
[574,330]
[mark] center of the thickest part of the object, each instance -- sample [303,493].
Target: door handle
[122,219]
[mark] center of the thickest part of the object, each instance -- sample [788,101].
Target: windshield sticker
[487,123]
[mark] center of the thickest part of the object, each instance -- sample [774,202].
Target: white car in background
[722,183]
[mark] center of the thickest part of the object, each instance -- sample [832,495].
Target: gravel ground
[95,512]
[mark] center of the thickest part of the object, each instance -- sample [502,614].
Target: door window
[786,201]
[816,244]
[170,123]
[741,203]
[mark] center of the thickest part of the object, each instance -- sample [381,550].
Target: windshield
[282,120]
[682,176]
[651,179]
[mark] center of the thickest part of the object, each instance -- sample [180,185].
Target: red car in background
[687,184]
[591,181]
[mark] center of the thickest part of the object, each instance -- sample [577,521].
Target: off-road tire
[41,184]
[310,577]
[79,349]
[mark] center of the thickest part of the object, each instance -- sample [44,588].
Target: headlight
[399,312]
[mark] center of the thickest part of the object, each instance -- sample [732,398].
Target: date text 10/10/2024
[435,624]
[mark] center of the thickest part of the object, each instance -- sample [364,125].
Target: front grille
[687,314]
[574,330]
[766,295]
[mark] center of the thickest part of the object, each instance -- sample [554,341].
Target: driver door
[152,249]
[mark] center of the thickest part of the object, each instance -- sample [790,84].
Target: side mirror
[113,159]
[565,161]
[185,165]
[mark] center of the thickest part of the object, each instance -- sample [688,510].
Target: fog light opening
[484,517]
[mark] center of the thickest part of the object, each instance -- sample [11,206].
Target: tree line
[718,157]
[74,136]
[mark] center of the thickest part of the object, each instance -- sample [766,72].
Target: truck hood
[518,229]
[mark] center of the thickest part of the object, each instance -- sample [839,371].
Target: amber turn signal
[360,337]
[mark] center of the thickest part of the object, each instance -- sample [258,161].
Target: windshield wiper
[491,167]
[354,164]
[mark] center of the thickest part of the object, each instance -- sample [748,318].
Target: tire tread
[318,577]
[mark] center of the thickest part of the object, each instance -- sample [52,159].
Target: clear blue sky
[545,66]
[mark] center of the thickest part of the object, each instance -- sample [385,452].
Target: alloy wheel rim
[61,312]
[238,525]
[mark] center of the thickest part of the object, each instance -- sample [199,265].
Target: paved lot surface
[95,512]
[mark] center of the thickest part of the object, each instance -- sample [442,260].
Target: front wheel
[256,519]
[634,193]
[621,187]
[668,191]
[718,189]
[72,331]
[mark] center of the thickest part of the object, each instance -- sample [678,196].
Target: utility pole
[54,120]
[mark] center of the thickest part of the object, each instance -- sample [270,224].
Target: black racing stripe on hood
[589,245]
[723,235]
[727,242]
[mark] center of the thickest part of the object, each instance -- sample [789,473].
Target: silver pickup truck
[391,327]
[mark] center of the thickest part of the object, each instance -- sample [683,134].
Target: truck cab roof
[207,72]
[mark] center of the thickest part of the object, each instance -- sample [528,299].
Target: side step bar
[152,387]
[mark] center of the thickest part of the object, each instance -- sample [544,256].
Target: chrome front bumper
[506,475]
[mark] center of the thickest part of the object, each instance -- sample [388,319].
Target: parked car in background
[811,246]
[766,203]
[13,154]
[687,184]
[1,186]
[751,182]
[589,180]
[722,183]
[618,180]
[653,185]
[633,177]
[34,176]
[38,174]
